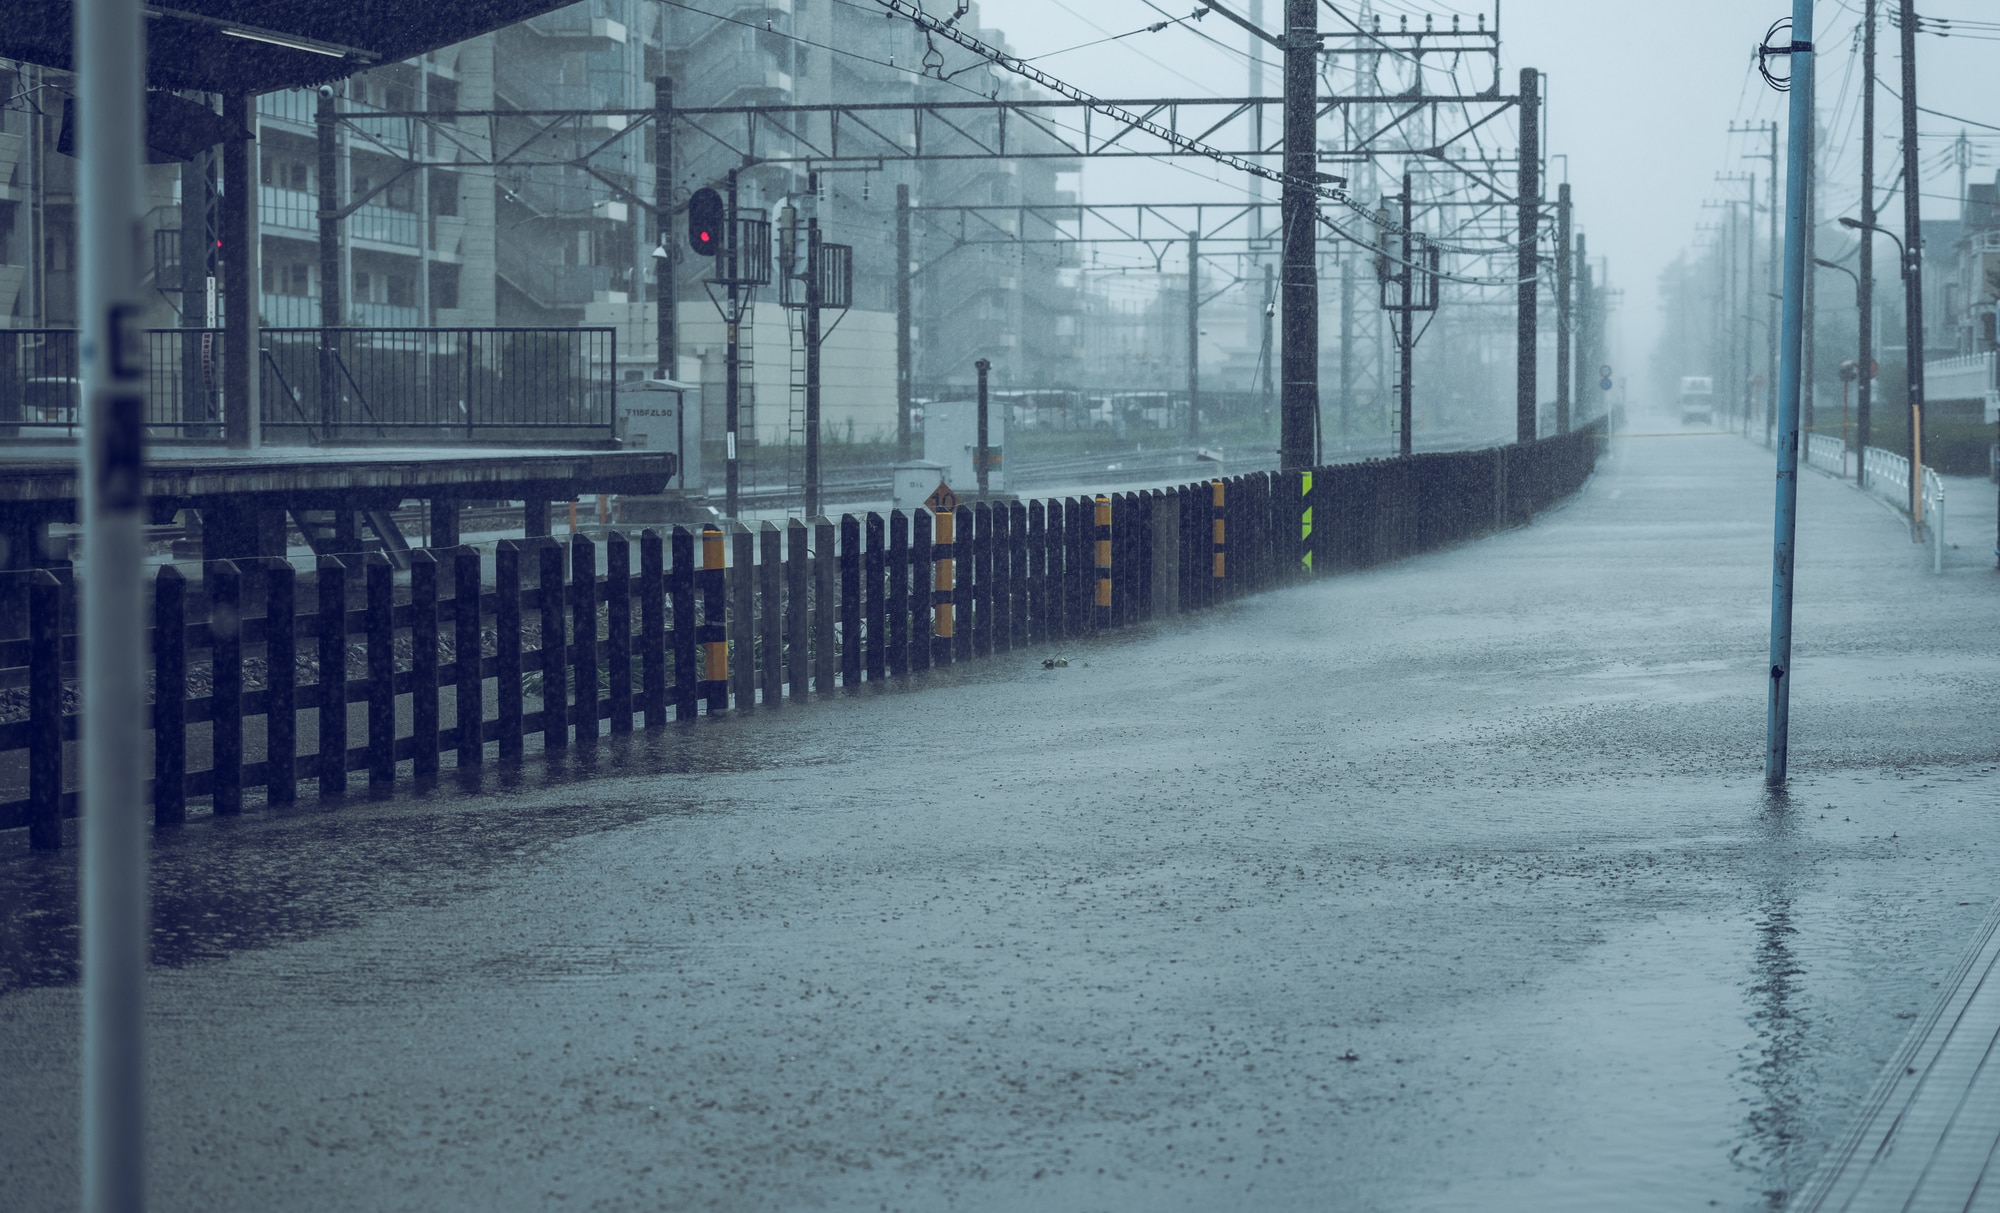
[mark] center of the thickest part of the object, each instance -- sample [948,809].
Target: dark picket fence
[407,667]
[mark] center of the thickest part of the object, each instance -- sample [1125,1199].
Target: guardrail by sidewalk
[1890,470]
[558,652]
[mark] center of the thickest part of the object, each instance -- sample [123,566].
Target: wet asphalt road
[1448,886]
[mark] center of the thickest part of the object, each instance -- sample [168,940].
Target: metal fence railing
[1889,471]
[409,385]
[1827,453]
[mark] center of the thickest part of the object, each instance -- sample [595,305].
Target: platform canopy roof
[258,46]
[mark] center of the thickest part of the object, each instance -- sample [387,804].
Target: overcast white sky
[1641,98]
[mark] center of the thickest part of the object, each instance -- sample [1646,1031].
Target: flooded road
[1450,885]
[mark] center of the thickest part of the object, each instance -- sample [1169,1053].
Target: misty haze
[916,604]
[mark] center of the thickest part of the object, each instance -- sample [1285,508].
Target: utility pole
[1299,412]
[1777,729]
[814,298]
[732,380]
[1913,270]
[330,312]
[981,458]
[1270,310]
[1865,294]
[903,320]
[1771,302]
[1749,295]
[1562,309]
[1346,341]
[1807,377]
[111,82]
[1529,266]
[1586,334]
[1406,337]
[665,292]
[1194,337]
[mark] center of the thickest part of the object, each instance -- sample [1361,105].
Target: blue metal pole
[1777,720]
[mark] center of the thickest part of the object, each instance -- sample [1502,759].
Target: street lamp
[1902,254]
[1850,370]
[1913,361]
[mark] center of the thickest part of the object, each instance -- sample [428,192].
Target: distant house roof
[1982,207]
[260,46]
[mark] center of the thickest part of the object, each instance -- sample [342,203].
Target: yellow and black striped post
[1220,538]
[1306,520]
[942,536]
[1103,561]
[713,633]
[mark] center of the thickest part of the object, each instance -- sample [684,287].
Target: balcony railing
[404,385]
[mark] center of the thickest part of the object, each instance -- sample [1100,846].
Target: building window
[363,287]
[400,294]
[444,192]
[7,233]
[444,286]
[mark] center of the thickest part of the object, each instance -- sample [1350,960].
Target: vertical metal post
[1406,337]
[111,65]
[1749,296]
[732,383]
[1528,265]
[812,357]
[666,259]
[1586,320]
[1913,271]
[1865,292]
[1299,412]
[240,423]
[1563,378]
[1346,340]
[1194,337]
[980,457]
[330,311]
[1777,726]
[903,322]
[197,273]
[1771,299]
[1268,387]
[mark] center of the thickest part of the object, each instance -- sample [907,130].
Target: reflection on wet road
[1447,886]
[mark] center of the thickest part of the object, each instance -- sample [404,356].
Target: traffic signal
[705,220]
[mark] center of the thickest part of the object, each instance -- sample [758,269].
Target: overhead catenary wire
[914,13]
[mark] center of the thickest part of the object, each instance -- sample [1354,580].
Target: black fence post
[826,604]
[983,584]
[875,630]
[583,636]
[224,583]
[1000,553]
[1022,572]
[798,609]
[169,697]
[281,676]
[1055,628]
[742,617]
[555,649]
[713,634]
[618,629]
[1034,574]
[686,636]
[469,654]
[944,588]
[850,603]
[381,670]
[652,628]
[332,575]
[45,750]
[506,650]
[423,664]
[771,619]
[965,583]
[923,588]
[1102,553]
[897,661]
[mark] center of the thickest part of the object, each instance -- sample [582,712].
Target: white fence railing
[1827,453]
[1888,471]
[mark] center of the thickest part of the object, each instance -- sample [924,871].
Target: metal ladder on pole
[746,396]
[795,433]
